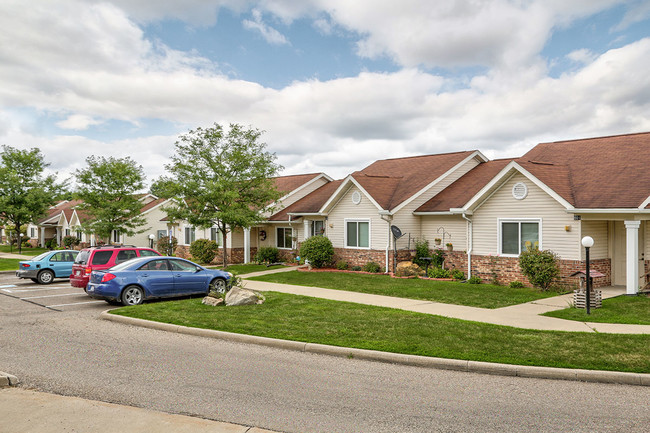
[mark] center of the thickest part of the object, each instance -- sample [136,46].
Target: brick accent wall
[355,257]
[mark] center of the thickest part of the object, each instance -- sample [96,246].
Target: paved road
[69,351]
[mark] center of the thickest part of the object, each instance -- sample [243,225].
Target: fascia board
[338,191]
[368,196]
[433,213]
[645,203]
[155,207]
[544,187]
[304,185]
[610,210]
[476,154]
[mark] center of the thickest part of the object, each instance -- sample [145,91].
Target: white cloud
[78,122]
[270,35]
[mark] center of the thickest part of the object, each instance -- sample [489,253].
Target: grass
[449,292]
[9,264]
[26,251]
[250,267]
[634,310]
[345,324]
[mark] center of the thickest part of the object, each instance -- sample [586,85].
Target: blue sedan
[45,267]
[143,278]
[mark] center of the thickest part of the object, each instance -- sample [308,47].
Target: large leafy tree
[107,187]
[25,194]
[220,179]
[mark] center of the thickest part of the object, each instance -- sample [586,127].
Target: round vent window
[520,191]
[356,197]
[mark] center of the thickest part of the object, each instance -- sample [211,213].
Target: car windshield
[40,256]
[82,257]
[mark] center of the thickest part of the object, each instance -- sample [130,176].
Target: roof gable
[310,204]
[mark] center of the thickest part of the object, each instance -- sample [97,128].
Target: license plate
[90,288]
[77,273]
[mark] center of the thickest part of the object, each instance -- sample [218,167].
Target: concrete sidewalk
[24,411]
[15,256]
[525,316]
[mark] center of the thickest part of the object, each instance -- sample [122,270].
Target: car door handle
[145,275]
[177,275]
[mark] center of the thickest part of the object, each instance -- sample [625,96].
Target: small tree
[540,267]
[204,250]
[318,250]
[165,247]
[25,195]
[107,187]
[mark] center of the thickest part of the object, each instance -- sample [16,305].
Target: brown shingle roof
[462,190]
[311,203]
[151,204]
[392,181]
[286,184]
[65,207]
[605,172]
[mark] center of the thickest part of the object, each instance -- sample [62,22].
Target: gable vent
[519,191]
[356,197]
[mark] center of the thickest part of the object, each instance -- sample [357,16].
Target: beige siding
[599,231]
[453,225]
[537,204]
[365,210]
[152,225]
[304,191]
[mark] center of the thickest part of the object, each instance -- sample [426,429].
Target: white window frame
[219,237]
[500,222]
[277,238]
[117,236]
[312,228]
[192,231]
[345,232]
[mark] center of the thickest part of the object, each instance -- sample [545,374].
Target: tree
[107,187]
[220,179]
[25,195]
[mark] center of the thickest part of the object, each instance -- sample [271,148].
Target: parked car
[144,278]
[44,268]
[103,257]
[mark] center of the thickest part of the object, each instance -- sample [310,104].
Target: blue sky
[335,84]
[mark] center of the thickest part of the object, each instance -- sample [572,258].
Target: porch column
[58,236]
[247,245]
[632,261]
[41,241]
[305,229]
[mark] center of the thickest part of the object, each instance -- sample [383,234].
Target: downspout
[469,249]
[388,219]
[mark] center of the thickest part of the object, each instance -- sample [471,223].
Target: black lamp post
[588,242]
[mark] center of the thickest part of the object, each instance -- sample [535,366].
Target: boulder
[408,269]
[240,296]
[211,300]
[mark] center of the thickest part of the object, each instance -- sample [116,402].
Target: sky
[335,84]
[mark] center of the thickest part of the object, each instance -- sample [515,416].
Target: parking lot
[58,296]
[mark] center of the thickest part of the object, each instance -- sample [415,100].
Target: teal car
[43,269]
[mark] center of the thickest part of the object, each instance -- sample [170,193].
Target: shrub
[204,250]
[438,273]
[516,285]
[70,241]
[165,247]
[51,244]
[421,250]
[373,267]
[267,255]
[341,265]
[318,250]
[457,274]
[540,267]
[356,268]
[438,258]
[475,280]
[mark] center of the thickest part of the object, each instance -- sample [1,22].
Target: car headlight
[230,274]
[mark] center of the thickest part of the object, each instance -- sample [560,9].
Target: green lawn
[9,264]
[345,324]
[449,292]
[633,310]
[26,251]
[248,268]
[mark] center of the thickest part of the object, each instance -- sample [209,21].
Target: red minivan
[104,257]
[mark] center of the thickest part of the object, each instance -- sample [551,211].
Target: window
[216,235]
[183,266]
[101,257]
[190,235]
[155,265]
[32,232]
[67,232]
[148,253]
[283,239]
[517,236]
[161,234]
[79,235]
[316,228]
[357,234]
[125,255]
[116,236]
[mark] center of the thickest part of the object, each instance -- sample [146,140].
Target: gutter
[469,248]
[388,219]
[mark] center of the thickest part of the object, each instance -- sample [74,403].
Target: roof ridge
[597,138]
[429,154]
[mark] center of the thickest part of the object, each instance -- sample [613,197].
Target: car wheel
[132,295]
[45,277]
[218,285]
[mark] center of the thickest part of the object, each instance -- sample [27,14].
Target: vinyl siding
[537,204]
[599,231]
[365,210]
[152,225]
[453,225]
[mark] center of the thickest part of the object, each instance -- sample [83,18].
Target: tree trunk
[19,239]
[225,252]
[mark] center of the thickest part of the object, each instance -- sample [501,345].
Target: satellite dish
[397,233]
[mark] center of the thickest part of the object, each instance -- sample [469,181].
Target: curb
[595,376]
[7,379]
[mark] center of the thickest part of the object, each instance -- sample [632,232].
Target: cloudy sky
[336,84]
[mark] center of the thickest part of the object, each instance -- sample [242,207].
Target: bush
[267,255]
[540,267]
[457,274]
[166,248]
[204,250]
[438,273]
[51,244]
[475,280]
[341,265]
[421,250]
[438,258]
[70,241]
[356,268]
[373,267]
[516,285]
[318,250]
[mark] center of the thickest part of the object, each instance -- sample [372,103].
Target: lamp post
[151,238]
[588,242]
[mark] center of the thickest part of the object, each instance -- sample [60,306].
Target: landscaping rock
[408,269]
[240,296]
[211,300]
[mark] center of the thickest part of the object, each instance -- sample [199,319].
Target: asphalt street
[68,350]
